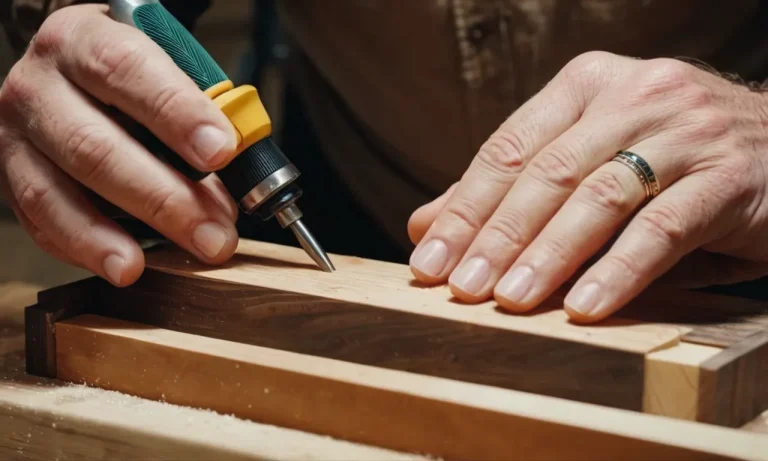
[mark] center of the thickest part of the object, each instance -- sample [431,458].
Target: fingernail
[113,268]
[209,238]
[208,141]
[516,284]
[431,258]
[471,276]
[584,300]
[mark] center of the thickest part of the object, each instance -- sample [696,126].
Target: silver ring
[643,171]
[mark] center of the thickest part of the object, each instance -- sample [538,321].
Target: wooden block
[372,313]
[399,410]
[54,305]
[43,421]
[734,383]
[672,380]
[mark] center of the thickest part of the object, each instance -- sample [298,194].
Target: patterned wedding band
[643,171]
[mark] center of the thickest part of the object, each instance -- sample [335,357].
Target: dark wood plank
[382,337]
[733,385]
[53,305]
[715,319]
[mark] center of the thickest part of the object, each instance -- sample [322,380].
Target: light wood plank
[358,333]
[390,408]
[392,286]
[44,419]
[40,420]
[759,424]
[672,380]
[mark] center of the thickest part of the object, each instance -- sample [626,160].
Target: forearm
[22,18]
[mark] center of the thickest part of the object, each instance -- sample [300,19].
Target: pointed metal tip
[310,245]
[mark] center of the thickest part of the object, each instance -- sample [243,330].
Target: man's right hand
[56,139]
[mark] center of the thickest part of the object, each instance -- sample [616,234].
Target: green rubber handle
[254,164]
[165,30]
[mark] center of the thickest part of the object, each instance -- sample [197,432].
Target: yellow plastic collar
[244,109]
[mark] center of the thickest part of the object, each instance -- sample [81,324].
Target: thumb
[425,215]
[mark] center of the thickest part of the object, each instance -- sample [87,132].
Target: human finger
[494,170]
[37,235]
[122,67]
[669,227]
[59,217]
[91,148]
[213,186]
[41,239]
[597,209]
[425,215]
[541,190]
[637,108]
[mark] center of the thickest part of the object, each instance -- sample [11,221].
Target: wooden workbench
[43,420]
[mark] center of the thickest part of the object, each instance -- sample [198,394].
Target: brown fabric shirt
[403,92]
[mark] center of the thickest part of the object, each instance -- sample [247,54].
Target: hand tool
[260,178]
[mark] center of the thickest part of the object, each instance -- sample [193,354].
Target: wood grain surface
[396,339]
[54,305]
[372,313]
[398,410]
[392,286]
[43,419]
[734,384]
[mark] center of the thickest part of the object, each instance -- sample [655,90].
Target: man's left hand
[542,196]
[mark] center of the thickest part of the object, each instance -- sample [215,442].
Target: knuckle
[88,150]
[625,264]
[43,242]
[696,95]
[735,179]
[76,243]
[20,97]
[162,207]
[14,90]
[115,63]
[590,65]
[167,102]
[34,200]
[588,71]
[665,222]
[607,191]
[464,212]
[708,124]
[738,167]
[557,167]
[503,152]
[668,74]
[54,33]
[660,77]
[505,229]
[560,249]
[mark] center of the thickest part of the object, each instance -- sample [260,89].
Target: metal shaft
[291,217]
[310,245]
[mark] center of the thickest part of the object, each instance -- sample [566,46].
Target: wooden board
[393,409]
[371,313]
[742,371]
[43,419]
